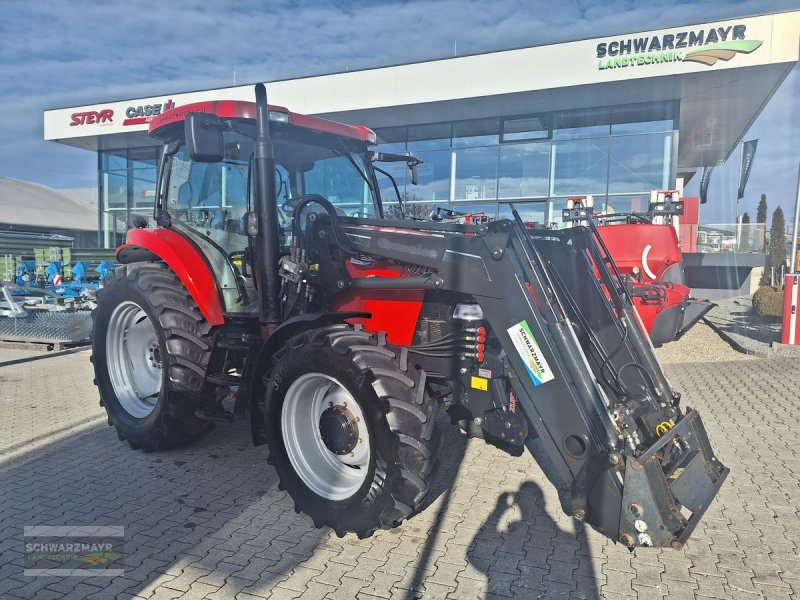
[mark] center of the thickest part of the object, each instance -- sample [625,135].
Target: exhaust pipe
[267,251]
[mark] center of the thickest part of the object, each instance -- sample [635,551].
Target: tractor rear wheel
[151,349]
[351,429]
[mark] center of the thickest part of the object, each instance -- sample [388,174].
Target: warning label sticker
[530,353]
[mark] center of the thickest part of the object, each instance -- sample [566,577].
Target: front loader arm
[639,470]
[649,482]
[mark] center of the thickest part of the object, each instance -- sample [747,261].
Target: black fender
[260,360]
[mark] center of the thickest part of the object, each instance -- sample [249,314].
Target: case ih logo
[139,115]
[100,117]
[713,44]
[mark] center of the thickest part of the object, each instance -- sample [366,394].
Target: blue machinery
[38,308]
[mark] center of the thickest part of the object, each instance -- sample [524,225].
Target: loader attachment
[662,504]
[565,348]
[665,469]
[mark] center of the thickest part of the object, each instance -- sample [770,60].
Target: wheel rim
[326,436]
[134,359]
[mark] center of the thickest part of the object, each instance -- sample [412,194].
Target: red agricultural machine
[646,251]
[271,283]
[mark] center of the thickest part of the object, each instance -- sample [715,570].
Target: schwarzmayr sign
[705,46]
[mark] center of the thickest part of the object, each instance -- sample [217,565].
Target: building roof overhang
[721,87]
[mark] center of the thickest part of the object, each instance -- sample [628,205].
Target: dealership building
[615,117]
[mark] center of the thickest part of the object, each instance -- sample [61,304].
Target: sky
[68,53]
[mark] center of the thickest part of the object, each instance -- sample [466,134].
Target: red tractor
[646,251]
[270,283]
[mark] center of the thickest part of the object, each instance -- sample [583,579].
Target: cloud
[58,54]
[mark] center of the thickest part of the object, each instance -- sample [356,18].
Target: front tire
[351,429]
[151,348]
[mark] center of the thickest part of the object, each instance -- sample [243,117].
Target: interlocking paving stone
[208,520]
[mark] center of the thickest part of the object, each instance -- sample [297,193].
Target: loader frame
[564,288]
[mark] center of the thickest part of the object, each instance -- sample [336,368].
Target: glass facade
[127,185]
[616,154]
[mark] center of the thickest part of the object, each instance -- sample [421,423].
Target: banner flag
[704,179]
[748,154]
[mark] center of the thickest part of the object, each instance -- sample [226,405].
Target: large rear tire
[151,349]
[351,429]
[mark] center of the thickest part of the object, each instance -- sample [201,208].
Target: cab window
[211,195]
[337,178]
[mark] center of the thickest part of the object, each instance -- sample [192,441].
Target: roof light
[281,117]
[368,134]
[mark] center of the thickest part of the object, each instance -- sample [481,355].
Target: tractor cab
[207,202]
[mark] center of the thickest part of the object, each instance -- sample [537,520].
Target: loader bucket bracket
[661,508]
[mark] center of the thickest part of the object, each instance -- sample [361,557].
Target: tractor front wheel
[351,429]
[150,348]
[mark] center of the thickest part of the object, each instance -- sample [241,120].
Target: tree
[761,211]
[410,210]
[745,218]
[761,216]
[777,241]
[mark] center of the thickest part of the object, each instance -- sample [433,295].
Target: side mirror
[408,158]
[204,137]
[412,162]
[412,168]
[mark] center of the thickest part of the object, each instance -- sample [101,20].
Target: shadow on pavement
[519,549]
[209,520]
[519,524]
[737,316]
[454,445]
[203,519]
[192,516]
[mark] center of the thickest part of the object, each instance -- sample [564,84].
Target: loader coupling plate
[662,502]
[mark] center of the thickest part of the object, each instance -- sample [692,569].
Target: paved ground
[208,521]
